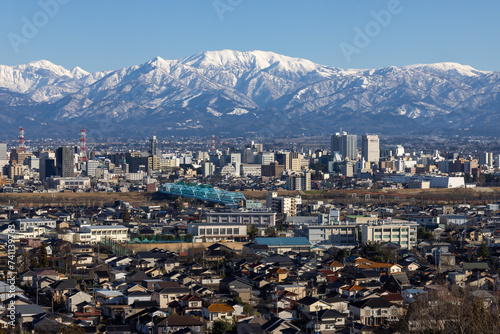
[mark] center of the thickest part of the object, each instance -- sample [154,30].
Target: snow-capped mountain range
[252,92]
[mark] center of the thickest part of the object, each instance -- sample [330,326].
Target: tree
[43,261]
[126,216]
[248,309]
[221,327]
[371,247]
[71,329]
[483,251]
[341,255]
[271,232]
[422,234]
[168,237]
[252,231]
[179,205]
[455,311]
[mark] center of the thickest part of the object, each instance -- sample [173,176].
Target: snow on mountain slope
[231,85]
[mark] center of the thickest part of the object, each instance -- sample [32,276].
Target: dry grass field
[402,196]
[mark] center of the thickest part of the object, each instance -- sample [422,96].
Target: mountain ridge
[253,92]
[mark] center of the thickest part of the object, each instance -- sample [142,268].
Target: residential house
[218,311]
[74,298]
[237,286]
[311,304]
[192,305]
[326,320]
[374,311]
[397,283]
[177,324]
[60,288]
[279,326]
[168,295]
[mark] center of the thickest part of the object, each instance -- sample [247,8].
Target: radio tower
[21,139]
[83,144]
[213,143]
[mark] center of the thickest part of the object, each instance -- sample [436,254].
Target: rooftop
[282,241]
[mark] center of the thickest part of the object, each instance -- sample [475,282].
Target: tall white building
[346,144]
[92,166]
[486,158]
[153,146]
[298,181]
[3,155]
[208,169]
[264,158]
[370,149]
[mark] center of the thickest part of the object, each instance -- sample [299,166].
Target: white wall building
[435,181]
[247,218]
[118,233]
[403,233]
[61,183]
[251,170]
[217,232]
[24,224]
[343,235]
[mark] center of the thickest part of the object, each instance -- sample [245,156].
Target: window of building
[201,231]
[209,231]
[236,231]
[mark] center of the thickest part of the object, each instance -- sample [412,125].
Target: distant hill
[252,93]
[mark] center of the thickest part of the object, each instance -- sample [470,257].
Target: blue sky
[105,35]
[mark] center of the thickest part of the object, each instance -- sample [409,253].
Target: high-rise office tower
[350,146]
[283,158]
[64,161]
[295,161]
[3,155]
[346,144]
[153,146]
[486,158]
[336,143]
[370,149]
[47,168]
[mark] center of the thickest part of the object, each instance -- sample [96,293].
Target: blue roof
[416,291]
[279,241]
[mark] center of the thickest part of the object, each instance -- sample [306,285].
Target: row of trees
[456,311]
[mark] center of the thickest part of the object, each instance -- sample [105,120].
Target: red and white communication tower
[213,143]
[21,139]
[83,144]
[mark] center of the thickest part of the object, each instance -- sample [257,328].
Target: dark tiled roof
[180,320]
[307,300]
[373,303]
